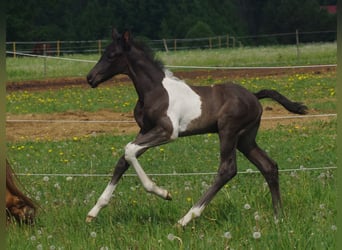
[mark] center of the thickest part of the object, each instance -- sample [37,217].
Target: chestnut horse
[168,108]
[18,205]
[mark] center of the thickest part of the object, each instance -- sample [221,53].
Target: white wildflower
[247,206]
[170,237]
[227,235]
[256,235]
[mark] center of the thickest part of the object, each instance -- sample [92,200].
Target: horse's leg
[104,199]
[133,150]
[154,137]
[263,162]
[226,172]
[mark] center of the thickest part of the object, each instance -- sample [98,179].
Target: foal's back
[224,100]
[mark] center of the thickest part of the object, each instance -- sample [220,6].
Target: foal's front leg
[105,197]
[153,138]
[133,150]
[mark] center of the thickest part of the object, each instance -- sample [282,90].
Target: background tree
[41,20]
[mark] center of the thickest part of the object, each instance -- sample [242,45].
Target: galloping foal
[168,108]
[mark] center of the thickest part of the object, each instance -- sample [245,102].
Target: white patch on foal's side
[184,104]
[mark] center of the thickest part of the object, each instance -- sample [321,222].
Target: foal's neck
[146,76]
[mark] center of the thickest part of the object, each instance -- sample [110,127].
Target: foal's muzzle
[91,78]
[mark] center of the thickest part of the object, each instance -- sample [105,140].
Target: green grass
[23,68]
[255,56]
[69,156]
[137,220]
[30,68]
[318,92]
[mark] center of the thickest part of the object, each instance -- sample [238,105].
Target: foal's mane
[149,53]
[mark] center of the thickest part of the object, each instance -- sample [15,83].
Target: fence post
[165,45]
[297,44]
[175,45]
[58,48]
[227,40]
[233,38]
[44,51]
[14,50]
[99,46]
[210,43]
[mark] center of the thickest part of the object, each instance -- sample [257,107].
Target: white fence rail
[223,41]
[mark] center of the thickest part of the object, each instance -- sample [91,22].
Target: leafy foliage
[200,29]
[92,19]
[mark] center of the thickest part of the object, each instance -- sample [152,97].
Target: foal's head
[122,56]
[113,61]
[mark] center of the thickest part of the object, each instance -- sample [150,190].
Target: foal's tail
[294,107]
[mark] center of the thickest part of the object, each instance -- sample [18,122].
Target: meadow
[28,68]
[67,176]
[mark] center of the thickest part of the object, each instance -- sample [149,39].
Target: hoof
[179,228]
[89,219]
[168,196]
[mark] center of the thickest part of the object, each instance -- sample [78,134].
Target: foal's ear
[127,37]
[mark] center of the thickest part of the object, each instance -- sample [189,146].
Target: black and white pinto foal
[168,108]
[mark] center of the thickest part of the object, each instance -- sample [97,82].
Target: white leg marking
[102,201]
[131,150]
[193,213]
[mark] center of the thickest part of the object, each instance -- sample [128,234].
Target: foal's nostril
[89,78]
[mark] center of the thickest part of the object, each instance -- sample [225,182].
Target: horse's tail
[294,107]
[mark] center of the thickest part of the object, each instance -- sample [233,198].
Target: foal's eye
[111,55]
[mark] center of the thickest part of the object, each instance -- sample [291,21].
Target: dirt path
[64,125]
[79,124]
[67,125]
[230,74]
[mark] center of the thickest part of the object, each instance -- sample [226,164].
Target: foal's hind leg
[226,172]
[264,163]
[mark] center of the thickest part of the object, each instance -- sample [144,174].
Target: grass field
[24,68]
[239,217]
[137,220]
[123,97]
